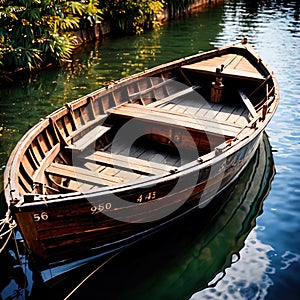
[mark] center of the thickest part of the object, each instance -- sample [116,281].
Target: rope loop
[7,225]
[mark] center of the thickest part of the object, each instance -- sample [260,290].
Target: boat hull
[77,226]
[204,127]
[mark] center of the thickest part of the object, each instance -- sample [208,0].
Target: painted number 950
[100,208]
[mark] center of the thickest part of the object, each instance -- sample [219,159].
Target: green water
[264,260]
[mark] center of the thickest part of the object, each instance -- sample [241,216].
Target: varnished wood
[39,174]
[232,65]
[80,174]
[248,103]
[132,163]
[176,119]
[87,139]
[75,186]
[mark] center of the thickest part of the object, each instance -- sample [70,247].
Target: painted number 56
[40,217]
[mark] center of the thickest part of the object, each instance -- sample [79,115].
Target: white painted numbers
[100,208]
[147,197]
[43,216]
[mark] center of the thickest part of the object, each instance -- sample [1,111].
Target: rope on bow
[7,225]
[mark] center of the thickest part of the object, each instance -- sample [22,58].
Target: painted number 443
[147,197]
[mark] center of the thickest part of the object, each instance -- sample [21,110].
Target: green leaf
[77,7]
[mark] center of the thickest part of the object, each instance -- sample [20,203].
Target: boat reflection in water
[181,259]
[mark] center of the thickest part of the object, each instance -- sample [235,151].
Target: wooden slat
[81,174]
[176,119]
[38,176]
[150,89]
[200,67]
[161,92]
[224,113]
[130,163]
[237,62]
[212,113]
[174,96]
[201,109]
[131,176]
[89,138]
[43,143]
[24,182]
[248,103]
[82,128]
[28,166]
[35,150]
[229,60]
[68,124]
[238,116]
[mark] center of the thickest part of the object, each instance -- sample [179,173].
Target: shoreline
[103,28]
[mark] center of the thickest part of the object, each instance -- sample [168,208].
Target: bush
[131,17]
[34,33]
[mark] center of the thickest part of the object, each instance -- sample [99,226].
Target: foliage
[34,33]
[37,32]
[132,16]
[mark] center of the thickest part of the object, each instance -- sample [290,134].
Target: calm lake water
[247,249]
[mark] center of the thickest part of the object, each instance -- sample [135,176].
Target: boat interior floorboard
[203,109]
[122,162]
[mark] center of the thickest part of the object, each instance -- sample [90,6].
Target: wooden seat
[88,138]
[234,66]
[82,175]
[163,116]
[130,163]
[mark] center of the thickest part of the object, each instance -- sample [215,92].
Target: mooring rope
[91,274]
[9,222]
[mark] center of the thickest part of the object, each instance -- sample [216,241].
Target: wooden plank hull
[78,183]
[73,226]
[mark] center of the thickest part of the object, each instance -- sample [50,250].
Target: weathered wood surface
[175,119]
[248,103]
[234,66]
[81,174]
[88,138]
[131,163]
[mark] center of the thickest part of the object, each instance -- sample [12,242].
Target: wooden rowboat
[123,161]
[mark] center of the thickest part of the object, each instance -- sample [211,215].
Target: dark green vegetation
[36,33]
[132,16]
